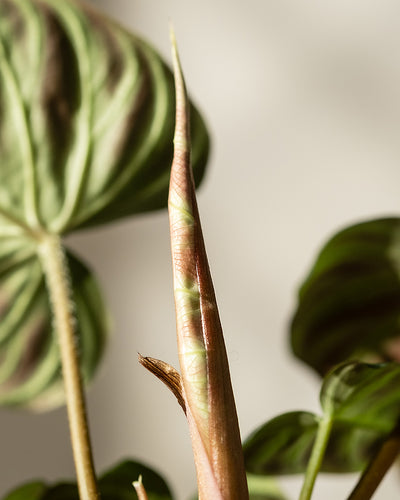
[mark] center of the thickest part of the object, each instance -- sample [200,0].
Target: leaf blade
[363,402]
[97,115]
[115,484]
[349,304]
[30,369]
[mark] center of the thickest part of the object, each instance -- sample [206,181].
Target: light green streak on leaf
[17,343]
[74,153]
[332,386]
[24,291]
[35,46]
[44,374]
[182,209]
[30,369]
[157,130]
[264,488]
[128,86]
[22,129]
[78,164]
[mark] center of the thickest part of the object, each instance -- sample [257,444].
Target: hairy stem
[378,467]
[57,276]
[317,455]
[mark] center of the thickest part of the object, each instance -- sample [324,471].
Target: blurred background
[302,101]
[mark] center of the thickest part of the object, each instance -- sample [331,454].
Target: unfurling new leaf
[206,385]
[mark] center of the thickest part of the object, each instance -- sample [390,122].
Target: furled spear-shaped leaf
[206,385]
[204,389]
[115,484]
[87,118]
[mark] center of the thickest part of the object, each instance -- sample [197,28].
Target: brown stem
[378,467]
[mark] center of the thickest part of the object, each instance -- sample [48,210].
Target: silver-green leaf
[87,118]
[86,137]
[30,367]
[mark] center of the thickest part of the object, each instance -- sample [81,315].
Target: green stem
[378,467]
[55,268]
[317,455]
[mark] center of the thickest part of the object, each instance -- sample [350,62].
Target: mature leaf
[86,137]
[363,403]
[115,484]
[349,305]
[30,370]
[87,117]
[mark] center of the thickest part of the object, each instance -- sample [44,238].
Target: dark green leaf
[363,403]
[115,484]
[31,491]
[30,370]
[349,306]
[282,445]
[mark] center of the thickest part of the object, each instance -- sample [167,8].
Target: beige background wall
[303,103]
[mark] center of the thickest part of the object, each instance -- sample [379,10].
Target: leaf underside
[30,367]
[87,118]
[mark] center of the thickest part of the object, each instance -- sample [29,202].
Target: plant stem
[140,490]
[56,271]
[378,467]
[317,455]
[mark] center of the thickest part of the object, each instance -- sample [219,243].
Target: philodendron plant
[92,120]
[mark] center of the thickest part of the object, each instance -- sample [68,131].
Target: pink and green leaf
[206,384]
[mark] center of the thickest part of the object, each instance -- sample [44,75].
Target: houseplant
[313,420]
